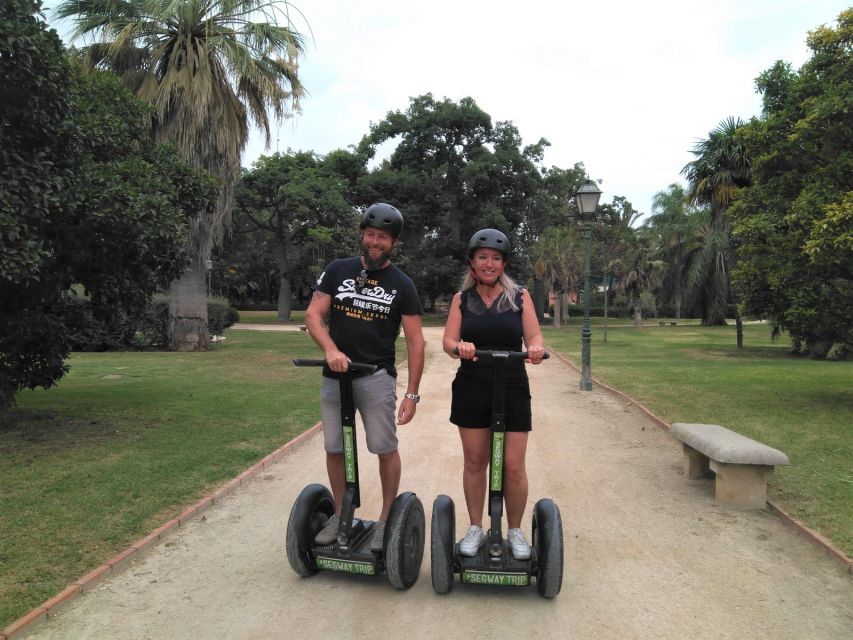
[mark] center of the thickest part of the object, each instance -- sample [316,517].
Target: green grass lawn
[126,441]
[696,374]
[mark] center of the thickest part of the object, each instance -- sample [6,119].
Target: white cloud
[624,87]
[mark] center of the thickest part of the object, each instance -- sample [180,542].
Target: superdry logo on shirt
[369,303]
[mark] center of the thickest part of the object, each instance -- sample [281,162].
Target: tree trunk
[539,299]
[606,292]
[739,328]
[285,298]
[188,330]
[638,315]
[678,289]
[557,309]
[564,307]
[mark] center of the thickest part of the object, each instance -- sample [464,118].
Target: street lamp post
[586,197]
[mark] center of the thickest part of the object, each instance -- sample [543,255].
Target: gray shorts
[376,401]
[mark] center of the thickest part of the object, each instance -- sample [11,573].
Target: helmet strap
[480,282]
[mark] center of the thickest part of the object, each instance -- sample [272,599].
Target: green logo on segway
[363,568]
[349,455]
[497,460]
[490,577]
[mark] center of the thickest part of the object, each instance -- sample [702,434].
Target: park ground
[647,554]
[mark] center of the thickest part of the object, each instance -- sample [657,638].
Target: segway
[350,552]
[494,563]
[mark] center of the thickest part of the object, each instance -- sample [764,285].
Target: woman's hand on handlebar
[535,354]
[466,350]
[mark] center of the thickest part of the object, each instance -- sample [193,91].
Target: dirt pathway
[647,553]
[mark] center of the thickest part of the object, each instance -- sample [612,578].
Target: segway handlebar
[502,355]
[353,366]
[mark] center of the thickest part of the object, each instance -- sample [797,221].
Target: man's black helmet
[383,216]
[489,239]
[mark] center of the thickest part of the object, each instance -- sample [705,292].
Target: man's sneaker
[473,540]
[377,544]
[329,533]
[519,546]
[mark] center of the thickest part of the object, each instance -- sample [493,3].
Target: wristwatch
[413,396]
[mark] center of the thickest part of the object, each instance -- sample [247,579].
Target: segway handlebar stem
[353,366]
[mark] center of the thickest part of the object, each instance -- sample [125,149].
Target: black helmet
[489,239]
[383,216]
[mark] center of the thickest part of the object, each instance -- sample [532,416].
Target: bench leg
[741,486]
[695,463]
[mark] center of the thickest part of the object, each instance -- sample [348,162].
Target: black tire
[310,511]
[404,541]
[441,544]
[548,541]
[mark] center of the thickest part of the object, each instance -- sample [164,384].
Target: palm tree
[641,275]
[675,224]
[721,168]
[557,258]
[208,68]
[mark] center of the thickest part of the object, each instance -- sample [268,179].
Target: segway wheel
[404,543]
[441,543]
[548,541]
[310,511]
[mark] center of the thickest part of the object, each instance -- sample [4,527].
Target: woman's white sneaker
[518,544]
[473,540]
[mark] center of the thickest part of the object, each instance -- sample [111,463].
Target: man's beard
[374,264]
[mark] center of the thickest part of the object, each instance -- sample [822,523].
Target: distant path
[647,553]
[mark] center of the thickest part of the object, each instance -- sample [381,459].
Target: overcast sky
[625,87]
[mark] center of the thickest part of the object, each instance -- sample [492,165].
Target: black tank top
[494,327]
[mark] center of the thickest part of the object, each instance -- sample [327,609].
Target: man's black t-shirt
[365,315]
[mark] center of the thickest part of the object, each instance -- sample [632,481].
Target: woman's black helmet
[489,239]
[383,216]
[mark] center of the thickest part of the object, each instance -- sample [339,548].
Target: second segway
[350,552]
[494,562]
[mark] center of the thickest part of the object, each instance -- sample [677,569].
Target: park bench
[742,466]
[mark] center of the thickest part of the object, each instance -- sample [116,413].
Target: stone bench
[742,466]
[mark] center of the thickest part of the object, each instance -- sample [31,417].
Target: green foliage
[793,225]
[720,170]
[220,315]
[207,70]
[300,207]
[452,172]
[85,199]
[34,164]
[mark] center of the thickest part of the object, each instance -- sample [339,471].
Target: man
[366,299]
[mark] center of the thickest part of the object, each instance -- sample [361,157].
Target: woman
[491,312]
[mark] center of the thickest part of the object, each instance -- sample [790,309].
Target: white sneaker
[473,540]
[518,544]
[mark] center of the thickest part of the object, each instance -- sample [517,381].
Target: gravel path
[648,555]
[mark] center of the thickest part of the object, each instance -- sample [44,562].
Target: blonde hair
[508,295]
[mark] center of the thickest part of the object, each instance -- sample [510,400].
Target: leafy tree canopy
[302,202]
[85,199]
[794,225]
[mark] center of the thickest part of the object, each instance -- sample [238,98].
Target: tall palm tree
[721,167]
[674,223]
[641,275]
[557,258]
[208,68]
